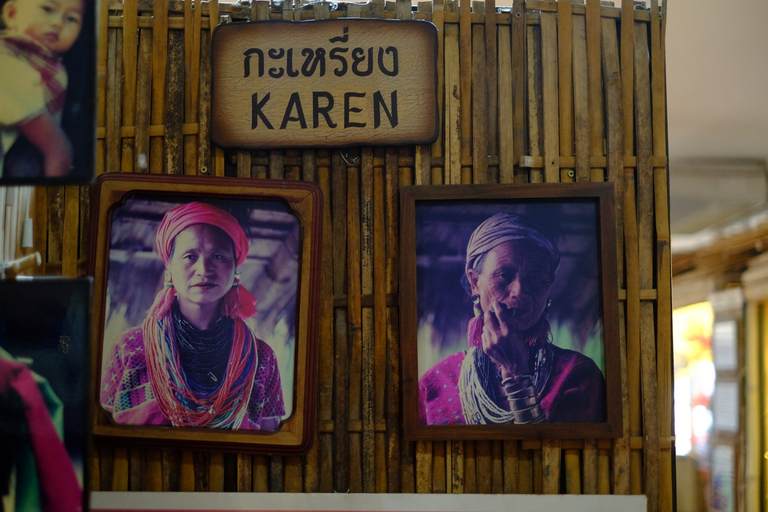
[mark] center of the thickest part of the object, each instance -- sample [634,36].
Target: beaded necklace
[224,407]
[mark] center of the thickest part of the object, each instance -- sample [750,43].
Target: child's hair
[2,19]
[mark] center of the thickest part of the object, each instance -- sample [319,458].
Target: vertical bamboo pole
[143,100]
[480,101]
[341,350]
[202,471]
[326,324]
[438,19]
[594,44]
[205,163]
[519,59]
[453,102]
[663,256]
[581,99]
[482,473]
[510,466]
[153,464]
[615,161]
[70,234]
[628,480]
[130,33]
[159,64]
[535,109]
[354,337]
[374,444]
[491,86]
[525,471]
[101,93]
[40,231]
[465,62]
[565,83]
[506,105]
[114,78]
[192,38]
[174,98]
[120,469]
[645,201]
[550,99]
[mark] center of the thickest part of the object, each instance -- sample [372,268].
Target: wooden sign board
[326,83]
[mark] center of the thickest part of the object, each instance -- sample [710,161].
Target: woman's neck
[201,317]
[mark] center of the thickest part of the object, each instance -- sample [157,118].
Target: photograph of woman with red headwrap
[190,347]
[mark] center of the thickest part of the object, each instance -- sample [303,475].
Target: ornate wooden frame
[300,199]
[455,209]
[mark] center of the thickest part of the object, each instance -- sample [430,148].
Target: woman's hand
[504,344]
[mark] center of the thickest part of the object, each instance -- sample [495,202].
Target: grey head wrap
[505,227]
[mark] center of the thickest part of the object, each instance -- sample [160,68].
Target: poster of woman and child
[47,91]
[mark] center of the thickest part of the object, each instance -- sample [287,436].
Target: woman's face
[202,265]
[517,274]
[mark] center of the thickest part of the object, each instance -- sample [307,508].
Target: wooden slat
[354,334]
[663,256]
[130,35]
[519,59]
[465,63]
[594,61]
[480,102]
[491,86]
[101,83]
[452,113]
[293,474]
[205,164]
[550,100]
[113,93]
[470,467]
[143,100]
[535,109]
[581,99]
[565,82]
[276,474]
[174,100]
[506,105]
[437,151]
[399,480]
[159,64]
[120,469]
[187,471]
[510,467]
[483,467]
[325,352]
[645,203]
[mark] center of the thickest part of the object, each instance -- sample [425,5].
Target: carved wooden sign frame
[326,83]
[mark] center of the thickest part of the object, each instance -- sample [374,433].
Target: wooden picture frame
[282,221]
[436,224]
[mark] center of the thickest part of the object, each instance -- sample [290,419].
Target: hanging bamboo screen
[542,91]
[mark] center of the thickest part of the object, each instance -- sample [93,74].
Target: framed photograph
[509,311]
[48,93]
[44,381]
[206,304]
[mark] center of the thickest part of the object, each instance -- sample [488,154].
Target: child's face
[53,23]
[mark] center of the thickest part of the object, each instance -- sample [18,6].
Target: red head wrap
[238,302]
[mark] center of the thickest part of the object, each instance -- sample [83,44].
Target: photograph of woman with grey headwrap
[509,320]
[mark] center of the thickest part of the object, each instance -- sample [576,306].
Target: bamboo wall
[543,91]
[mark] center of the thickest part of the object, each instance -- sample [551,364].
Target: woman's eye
[190,257]
[48,8]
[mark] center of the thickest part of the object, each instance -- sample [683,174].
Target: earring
[545,313]
[168,280]
[236,282]
[476,305]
